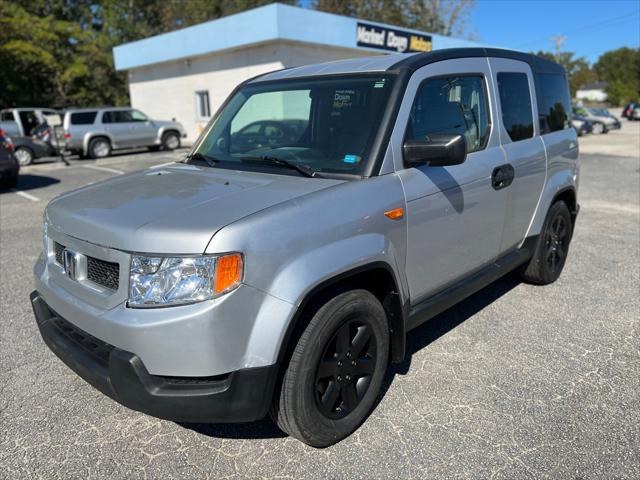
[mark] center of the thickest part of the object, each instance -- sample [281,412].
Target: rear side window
[83,118]
[554,104]
[515,105]
[452,105]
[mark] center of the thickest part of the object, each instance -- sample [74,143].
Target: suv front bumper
[240,396]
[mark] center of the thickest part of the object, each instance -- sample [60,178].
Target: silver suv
[95,132]
[279,274]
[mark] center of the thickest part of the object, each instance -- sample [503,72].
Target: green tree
[434,16]
[59,52]
[621,70]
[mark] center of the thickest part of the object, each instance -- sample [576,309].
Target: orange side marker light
[395,214]
[228,272]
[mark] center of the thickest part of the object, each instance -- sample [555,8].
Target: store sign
[383,38]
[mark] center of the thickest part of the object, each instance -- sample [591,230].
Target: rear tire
[170,140]
[99,147]
[336,370]
[24,155]
[553,247]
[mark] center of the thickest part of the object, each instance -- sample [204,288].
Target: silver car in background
[96,132]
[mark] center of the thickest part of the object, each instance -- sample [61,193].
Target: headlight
[163,281]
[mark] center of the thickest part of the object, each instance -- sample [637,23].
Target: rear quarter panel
[563,171]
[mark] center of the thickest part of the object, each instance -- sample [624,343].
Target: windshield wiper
[306,170]
[206,158]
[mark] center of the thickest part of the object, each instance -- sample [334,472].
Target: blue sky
[592,27]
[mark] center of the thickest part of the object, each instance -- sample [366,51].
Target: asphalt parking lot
[516,382]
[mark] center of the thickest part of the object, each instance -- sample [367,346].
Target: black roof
[538,64]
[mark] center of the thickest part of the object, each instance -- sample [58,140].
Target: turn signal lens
[394,214]
[228,272]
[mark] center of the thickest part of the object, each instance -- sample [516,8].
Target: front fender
[299,277]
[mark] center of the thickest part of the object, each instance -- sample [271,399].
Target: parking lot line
[26,195]
[104,169]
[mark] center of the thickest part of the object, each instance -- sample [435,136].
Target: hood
[173,209]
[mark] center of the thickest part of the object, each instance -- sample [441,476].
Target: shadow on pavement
[261,429]
[32,182]
[417,339]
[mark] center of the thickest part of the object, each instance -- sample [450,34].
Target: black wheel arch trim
[574,208]
[396,311]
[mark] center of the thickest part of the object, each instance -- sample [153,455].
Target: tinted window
[452,105]
[83,118]
[554,104]
[515,105]
[117,116]
[6,117]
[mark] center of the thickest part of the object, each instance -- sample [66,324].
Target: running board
[438,303]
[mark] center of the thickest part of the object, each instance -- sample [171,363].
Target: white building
[594,92]
[188,73]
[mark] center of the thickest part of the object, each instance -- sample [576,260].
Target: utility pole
[558,40]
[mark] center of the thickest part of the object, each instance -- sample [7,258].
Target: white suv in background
[95,132]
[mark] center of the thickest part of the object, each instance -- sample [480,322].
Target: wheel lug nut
[348,354]
[339,363]
[339,378]
[353,362]
[348,377]
[335,355]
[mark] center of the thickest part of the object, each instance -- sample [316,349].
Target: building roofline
[271,22]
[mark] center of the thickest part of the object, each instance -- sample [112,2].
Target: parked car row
[593,120]
[631,111]
[87,132]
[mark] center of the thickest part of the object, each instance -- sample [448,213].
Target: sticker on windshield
[351,159]
[379,83]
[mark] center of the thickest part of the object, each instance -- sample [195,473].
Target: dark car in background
[631,111]
[603,112]
[9,166]
[581,125]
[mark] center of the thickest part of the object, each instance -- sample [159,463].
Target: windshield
[327,125]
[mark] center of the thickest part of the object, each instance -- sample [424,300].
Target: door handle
[502,176]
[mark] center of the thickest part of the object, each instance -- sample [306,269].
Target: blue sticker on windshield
[351,159]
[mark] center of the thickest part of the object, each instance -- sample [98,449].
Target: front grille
[99,349]
[103,273]
[58,249]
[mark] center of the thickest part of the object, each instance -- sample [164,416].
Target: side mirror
[437,150]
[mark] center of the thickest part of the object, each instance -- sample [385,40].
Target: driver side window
[455,105]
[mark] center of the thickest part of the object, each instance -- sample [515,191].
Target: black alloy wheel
[552,248]
[556,243]
[335,371]
[345,370]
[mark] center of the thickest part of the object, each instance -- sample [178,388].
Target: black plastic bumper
[241,396]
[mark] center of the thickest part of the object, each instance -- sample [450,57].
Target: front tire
[170,141]
[553,247]
[336,370]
